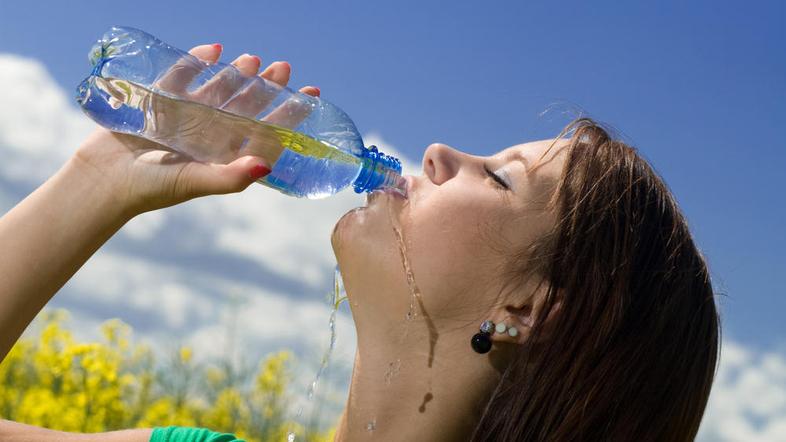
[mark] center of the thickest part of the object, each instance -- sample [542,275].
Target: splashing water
[338,296]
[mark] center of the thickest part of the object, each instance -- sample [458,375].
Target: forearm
[46,238]
[16,432]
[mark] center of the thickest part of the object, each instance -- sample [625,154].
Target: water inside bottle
[301,165]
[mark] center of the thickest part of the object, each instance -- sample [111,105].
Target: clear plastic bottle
[142,86]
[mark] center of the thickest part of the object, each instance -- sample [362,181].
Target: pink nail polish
[259,60]
[218,46]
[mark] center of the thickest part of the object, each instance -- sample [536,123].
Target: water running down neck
[416,299]
[410,276]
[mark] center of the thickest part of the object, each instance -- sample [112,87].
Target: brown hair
[633,349]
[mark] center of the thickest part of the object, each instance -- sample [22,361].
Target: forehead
[532,148]
[544,157]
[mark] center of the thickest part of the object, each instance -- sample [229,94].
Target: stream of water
[339,294]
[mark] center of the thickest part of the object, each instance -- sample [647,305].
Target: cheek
[449,254]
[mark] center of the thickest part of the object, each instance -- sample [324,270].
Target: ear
[522,315]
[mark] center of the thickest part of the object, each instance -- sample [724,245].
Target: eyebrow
[518,156]
[522,159]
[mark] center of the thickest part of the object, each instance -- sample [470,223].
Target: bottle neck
[379,171]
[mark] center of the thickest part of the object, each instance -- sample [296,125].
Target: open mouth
[391,193]
[385,193]
[373,196]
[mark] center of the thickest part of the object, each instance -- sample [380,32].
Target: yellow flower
[273,376]
[185,354]
[51,380]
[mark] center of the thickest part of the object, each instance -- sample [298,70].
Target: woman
[551,291]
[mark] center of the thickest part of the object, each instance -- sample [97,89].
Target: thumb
[212,179]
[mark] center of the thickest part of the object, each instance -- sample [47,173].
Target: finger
[207,53]
[177,78]
[311,90]
[252,100]
[248,64]
[226,83]
[256,97]
[291,112]
[213,179]
[278,72]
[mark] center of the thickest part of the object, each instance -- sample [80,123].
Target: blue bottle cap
[378,171]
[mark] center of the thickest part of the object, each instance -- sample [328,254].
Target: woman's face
[464,218]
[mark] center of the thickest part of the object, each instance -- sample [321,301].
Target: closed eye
[496,178]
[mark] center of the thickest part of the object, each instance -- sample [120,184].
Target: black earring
[481,342]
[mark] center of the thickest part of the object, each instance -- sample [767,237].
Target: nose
[441,162]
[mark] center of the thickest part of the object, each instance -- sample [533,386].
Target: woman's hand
[145,176]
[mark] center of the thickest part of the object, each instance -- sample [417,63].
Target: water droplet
[392,371]
[371,425]
[428,397]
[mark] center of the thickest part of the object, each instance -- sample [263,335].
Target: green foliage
[52,381]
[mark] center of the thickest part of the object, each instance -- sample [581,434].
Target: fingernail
[218,46]
[259,60]
[258,171]
[319,92]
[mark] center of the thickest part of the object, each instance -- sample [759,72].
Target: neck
[422,387]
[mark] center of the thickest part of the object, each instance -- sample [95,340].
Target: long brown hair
[633,352]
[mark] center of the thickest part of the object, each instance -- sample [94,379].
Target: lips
[373,196]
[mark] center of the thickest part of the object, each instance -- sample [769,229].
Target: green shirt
[186,434]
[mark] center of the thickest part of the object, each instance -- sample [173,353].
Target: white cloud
[748,399]
[145,226]
[39,127]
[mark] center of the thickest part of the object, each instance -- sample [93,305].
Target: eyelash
[496,178]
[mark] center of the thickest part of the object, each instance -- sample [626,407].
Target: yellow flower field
[53,381]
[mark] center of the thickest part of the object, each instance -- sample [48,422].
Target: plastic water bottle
[142,86]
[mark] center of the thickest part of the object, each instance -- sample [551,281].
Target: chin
[345,227]
[364,234]
[361,221]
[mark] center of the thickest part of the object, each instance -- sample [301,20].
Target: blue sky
[698,87]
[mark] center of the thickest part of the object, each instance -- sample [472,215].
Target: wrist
[97,190]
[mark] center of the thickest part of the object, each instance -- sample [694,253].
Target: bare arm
[15,432]
[46,238]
